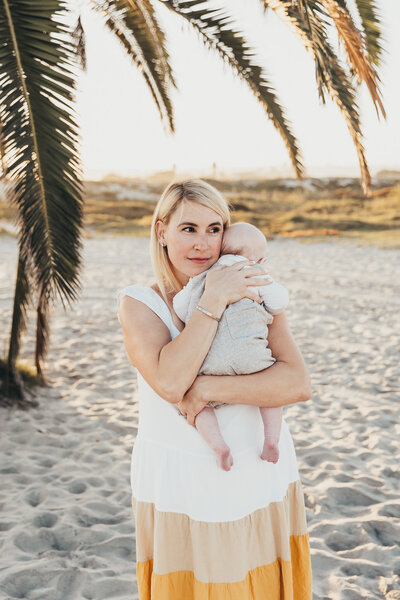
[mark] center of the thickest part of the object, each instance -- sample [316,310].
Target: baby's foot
[271,450]
[224,457]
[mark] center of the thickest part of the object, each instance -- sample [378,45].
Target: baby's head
[244,239]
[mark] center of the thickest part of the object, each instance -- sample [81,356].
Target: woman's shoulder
[135,289]
[145,294]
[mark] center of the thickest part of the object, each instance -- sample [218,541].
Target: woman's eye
[213,229]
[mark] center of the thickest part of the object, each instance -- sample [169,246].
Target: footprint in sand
[390,510]
[384,532]
[109,588]
[77,487]
[46,520]
[121,547]
[349,497]
[341,539]
[20,584]
[366,568]
[316,458]
[63,539]
[35,496]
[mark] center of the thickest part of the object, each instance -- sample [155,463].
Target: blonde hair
[177,192]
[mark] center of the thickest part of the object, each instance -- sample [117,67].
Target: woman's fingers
[250,271]
[190,418]
[255,297]
[238,266]
[258,281]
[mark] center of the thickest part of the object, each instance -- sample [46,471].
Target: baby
[240,345]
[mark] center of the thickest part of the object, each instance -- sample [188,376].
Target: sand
[66,525]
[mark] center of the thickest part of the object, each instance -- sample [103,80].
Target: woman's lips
[199,260]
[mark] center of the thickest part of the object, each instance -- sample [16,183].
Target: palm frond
[160,40]
[309,25]
[371,27]
[78,36]
[356,50]
[214,28]
[371,22]
[37,80]
[137,29]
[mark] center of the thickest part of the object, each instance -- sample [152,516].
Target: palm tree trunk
[12,388]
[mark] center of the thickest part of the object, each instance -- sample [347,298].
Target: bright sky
[217,117]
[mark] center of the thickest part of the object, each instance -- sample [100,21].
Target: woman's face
[193,238]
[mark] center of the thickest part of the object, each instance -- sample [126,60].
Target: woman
[201,532]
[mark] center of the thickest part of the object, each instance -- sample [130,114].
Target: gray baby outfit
[240,345]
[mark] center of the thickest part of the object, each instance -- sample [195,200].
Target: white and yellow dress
[203,533]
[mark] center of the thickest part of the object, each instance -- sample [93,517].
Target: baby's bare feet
[271,450]
[224,457]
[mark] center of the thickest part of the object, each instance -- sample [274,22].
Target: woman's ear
[160,232]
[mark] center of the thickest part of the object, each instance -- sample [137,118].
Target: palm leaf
[371,23]
[40,136]
[309,25]
[137,29]
[156,32]
[371,27]
[356,50]
[78,36]
[214,28]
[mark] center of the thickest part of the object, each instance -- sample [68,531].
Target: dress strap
[149,297]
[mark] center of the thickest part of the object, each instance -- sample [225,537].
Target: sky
[217,117]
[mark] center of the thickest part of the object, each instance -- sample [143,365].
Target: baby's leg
[272,419]
[207,425]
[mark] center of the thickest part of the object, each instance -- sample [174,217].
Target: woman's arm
[287,381]
[168,366]
[171,366]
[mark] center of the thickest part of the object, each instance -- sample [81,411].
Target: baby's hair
[244,228]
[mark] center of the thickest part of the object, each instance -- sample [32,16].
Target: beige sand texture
[66,526]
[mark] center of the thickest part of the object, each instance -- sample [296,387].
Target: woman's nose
[201,242]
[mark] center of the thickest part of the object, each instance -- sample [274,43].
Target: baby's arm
[275,297]
[229,259]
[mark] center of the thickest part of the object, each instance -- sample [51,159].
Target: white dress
[203,533]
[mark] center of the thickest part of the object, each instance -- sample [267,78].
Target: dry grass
[318,209]
[325,210]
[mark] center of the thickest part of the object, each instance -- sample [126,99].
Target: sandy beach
[66,524]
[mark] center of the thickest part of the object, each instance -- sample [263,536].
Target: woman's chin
[199,267]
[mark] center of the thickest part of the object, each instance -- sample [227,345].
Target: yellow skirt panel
[280,580]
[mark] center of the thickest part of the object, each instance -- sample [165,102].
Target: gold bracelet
[206,312]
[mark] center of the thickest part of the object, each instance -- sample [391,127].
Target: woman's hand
[193,401]
[230,284]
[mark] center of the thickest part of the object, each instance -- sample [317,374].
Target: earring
[162,244]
